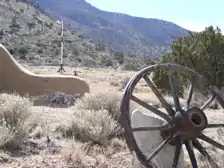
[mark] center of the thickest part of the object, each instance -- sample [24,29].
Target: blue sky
[193,15]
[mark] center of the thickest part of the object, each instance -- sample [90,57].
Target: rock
[56,98]
[148,141]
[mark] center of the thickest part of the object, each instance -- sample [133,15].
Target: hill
[34,38]
[139,36]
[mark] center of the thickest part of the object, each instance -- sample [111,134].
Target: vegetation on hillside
[87,134]
[139,36]
[34,38]
[201,51]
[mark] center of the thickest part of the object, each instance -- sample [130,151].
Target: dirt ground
[54,151]
[39,153]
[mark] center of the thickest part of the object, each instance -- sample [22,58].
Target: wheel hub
[187,124]
[182,127]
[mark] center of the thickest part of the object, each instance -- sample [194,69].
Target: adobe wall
[14,77]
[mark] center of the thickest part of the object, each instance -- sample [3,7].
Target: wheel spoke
[211,141]
[190,92]
[177,152]
[208,102]
[154,128]
[215,125]
[203,151]
[159,96]
[159,148]
[158,128]
[151,108]
[174,92]
[191,154]
[220,97]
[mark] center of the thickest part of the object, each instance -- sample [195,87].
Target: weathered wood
[181,124]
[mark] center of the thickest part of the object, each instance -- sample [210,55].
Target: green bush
[201,51]
[160,78]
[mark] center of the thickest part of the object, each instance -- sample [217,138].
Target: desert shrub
[15,26]
[108,100]
[199,99]
[119,56]
[1,33]
[31,25]
[131,66]
[124,82]
[89,61]
[14,120]
[49,25]
[94,118]
[160,78]
[107,62]
[96,126]
[74,153]
[201,51]
[99,47]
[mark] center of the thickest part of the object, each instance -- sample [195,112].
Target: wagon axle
[186,124]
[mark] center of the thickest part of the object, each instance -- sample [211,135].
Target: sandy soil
[41,153]
[38,153]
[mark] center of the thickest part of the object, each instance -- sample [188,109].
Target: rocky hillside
[33,37]
[141,36]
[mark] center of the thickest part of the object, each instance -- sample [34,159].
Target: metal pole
[62,46]
[62,40]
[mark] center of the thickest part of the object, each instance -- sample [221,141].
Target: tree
[201,51]
[119,56]
[160,77]
[15,26]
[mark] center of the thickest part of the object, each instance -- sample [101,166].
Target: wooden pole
[62,46]
[62,41]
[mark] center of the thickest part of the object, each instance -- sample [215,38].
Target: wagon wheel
[185,126]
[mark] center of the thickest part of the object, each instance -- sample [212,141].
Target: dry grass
[94,126]
[74,153]
[84,135]
[108,100]
[94,118]
[15,120]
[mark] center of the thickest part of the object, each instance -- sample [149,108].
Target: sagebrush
[108,100]
[15,120]
[94,118]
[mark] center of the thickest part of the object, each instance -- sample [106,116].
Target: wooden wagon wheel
[183,126]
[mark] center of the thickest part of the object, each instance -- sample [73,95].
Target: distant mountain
[139,36]
[32,37]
